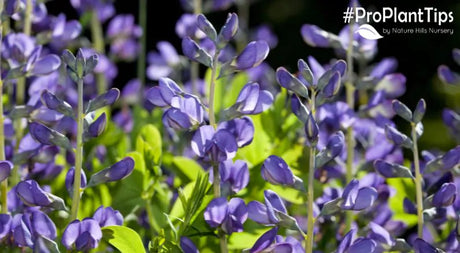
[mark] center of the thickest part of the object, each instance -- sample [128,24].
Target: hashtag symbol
[348,15]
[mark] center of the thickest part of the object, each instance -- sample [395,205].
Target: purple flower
[17,47]
[274,211]
[380,235]
[394,85]
[252,100]
[162,94]
[186,27]
[264,241]
[391,170]
[196,53]
[5,225]
[311,130]
[420,246]
[445,196]
[447,75]
[229,29]
[48,136]
[241,128]
[96,127]
[123,33]
[234,176]
[64,32]
[252,55]
[28,228]
[70,178]
[215,145]
[230,216]
[360,245]
[107,216]
[276,171]
[5,169]
[315,36]
[82,235]
[118,171]
[384,67]
[397,137]
[365,48]
[290,82]
[355,198]
[163,63]
[264,32]
[103,8]
[187,245]
[32,195]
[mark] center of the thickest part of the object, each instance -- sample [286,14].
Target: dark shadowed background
[419,55]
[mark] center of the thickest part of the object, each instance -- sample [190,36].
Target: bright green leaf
[124,239]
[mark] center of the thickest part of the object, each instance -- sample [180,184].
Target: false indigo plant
[304,161]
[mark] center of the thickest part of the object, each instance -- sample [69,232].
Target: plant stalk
[350,96]
[97,36]
[418,184]
[212,87]
[310,187]
[143,42]
[78,154]
[4,186]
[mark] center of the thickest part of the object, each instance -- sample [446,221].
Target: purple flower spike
[230,28]
[211,145]
[276,171]
[108,217]
[118,171]
[358,199]
[187,245]
[230,216]
[445,196]
[253,100]
[447,75]
[241,128]
[314,36]
[32,195]
[69,179]
[290,82]
[82,235]
[264,241]
[420,246]
[5,170]
[251,56]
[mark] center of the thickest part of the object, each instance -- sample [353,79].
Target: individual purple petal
[420,246]
[216,212]
[290,82]
[299,109]
[391,170]
[332,87]
[204,25]
[312,130]
[252,55]
[230,27]
[394,85]
[31,194]
[241,128]
[194,52]
[5,225]
[380,234]
[349,194]
[117,171]
[447,75]
[264,241]
[107,216]
[395,136]
[272,199]
[314,36]
[258,213]
[22,233]
[363,245]
[46,65]
[97,127]
[70,178]
[451,158]
[42,225]
[402,110]
[445,196]
[191,106]
[409,207]
[187,245]
[5,169]
[225,145]
[237,215]
[346,241]
[384,67]
[176,119]
[85,235]
[335,144]
[276,171]
[365,198]
[419,111]
[202,140]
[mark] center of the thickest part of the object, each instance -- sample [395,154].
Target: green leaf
[123,238]
[188,167]
[149,143]
[261,146]
[404,188]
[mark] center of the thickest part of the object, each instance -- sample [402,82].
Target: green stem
[350,96]
[143,42]
[4,186]
[418,184]
[78,154]
[310,187]
[28,18]
[212,87]
[98,44]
